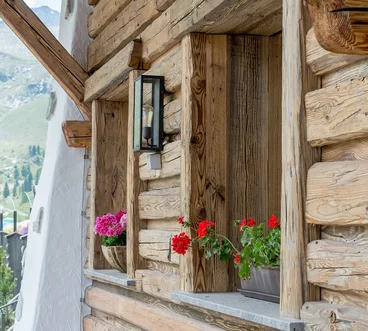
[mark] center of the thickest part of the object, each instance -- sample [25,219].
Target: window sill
[110,276]
[236,305]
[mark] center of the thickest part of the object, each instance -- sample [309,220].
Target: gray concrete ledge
[111,276]
[236,305]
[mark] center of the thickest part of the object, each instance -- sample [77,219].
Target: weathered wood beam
[127,26]
[352,150]
[322,61]
[134,187]
[171,163]
[103,14]
[326,316]
[91,323]
[337,193]
[297,157]
[114,72]
[47,49]
[121,324]
[357,299]
[109,162]
[337,113]
[160,204]
[93,2]
[341,26]
[78,133]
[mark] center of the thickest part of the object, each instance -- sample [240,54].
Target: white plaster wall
[53,281]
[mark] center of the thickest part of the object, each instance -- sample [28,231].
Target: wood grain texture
[109,159]
[357,235]
[172,117]
[134,187]
[165,268]
[337,193]
[47,49]
[344,31]
[337,113]
[78,134]
[324,316]
[91,323]
[337,265]
[323,62]
[140,313]
[157,284]
[167,224]
[127,26]
[297,157]
[159,204]
[103,14]
[114,72]
[171,163]
[155,245]
[160,184]
[93,2]
[351,150]
[122,325]
[89,181]
[347,298]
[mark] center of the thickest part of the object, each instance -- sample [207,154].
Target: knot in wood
[194,140]
[333,318]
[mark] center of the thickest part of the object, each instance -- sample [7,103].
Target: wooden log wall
[337,194]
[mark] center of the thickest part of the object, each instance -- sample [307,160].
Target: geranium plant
[112,228]
[256,249]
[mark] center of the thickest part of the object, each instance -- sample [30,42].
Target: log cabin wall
[337,190]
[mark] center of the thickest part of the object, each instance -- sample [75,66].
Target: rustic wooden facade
[258,119]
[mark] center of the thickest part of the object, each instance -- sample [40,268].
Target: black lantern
[148,113]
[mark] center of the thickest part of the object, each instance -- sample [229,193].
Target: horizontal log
[352,150]
[338,113]
[172,117]
[326,316]
[142,314]
[167,224]
[186,16]
[159,204]
[165,268]
[91,323]
[47,49]
[78,133]
[113,73]
[170,158]
[157,284]
[338,266]
[348,298]
[116,322]
[337,193]
[120,93]
[127,26]
[103,14]
[357,235]
[160,184]
[321,61]
[356,70]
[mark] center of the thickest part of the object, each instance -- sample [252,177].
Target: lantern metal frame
[158,91]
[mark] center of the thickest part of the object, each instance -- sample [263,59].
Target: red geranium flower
[237,258]
[247,222]
[180,243]
[181,220]
[203,227]
[273,222]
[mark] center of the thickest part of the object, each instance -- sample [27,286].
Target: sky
[54,4]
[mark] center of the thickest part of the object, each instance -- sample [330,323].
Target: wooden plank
[322,62]
[117,322]
[78,133]
[103,14]
[337,193]
[109,160]
[337,265]
[351,150]
[357,70]
[142,314]
[113,73]
[167,224]
[47,49]
[134,187]
[165,268]
[357,235]
[324,316]
[170,158]
[127,26]
[120,93]
[349,298]
[160,184]
[297,157]
[159,204]
[342,32]
[334,117]
[164,4]
[157,284]
[91,323]
[172,117]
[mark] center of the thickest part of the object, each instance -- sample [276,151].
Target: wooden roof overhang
[341,26]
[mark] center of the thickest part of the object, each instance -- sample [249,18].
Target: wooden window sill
[110,276]
[236,305]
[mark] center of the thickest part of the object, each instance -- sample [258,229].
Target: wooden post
[297,157]
[109,160]
[134,187]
